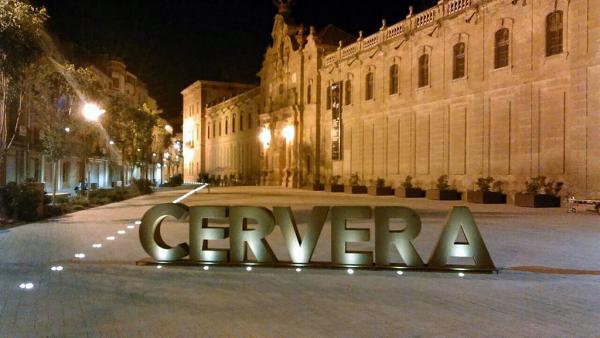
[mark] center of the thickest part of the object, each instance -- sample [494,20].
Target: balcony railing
[414,22]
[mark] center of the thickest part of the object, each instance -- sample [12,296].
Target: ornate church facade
[467,88]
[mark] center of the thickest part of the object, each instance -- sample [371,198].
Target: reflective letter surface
[300,250]
[340,234]
[242,236]
[460,217]
[385,239]
[150,237]
[201,233]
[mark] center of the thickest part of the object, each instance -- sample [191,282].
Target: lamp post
[265,140]
[91,113]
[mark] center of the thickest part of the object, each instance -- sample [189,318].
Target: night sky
[171,43]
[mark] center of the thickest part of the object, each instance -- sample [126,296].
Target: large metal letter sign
[341,234]
[201,233]
[300,250]
[150,237]
[243,237]
[385,239]
[336,122]
[460,217]
[250,227]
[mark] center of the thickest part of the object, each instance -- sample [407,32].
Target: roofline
[199,83]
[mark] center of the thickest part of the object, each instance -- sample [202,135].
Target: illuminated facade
[468,88]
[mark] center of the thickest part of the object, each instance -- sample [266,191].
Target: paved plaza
[548,284]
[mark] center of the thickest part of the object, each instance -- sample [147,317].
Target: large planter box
[443,195]
[334,187]
[356,189]
[381,191]
[486,197]
[537,201]
[410,193]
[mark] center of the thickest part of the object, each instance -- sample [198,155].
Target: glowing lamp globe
[92,112]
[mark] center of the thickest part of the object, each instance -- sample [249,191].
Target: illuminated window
[424,70]
[348,92]
[393,79]
[554,33]
[458,69]
[501,48]
[369,86]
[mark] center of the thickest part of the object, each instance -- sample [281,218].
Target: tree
[120,125]
[21,27]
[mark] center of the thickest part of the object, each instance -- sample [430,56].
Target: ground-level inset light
[57,268]
[96,245]
[138,222]
[110,238]
[399,272]
[67,129]
[298,270]
[248,268]
[130,226]
[205,268]
[26,286]
[80,255]
[350,271]
[461,274]
[111,142]
[159,266]
[121,232]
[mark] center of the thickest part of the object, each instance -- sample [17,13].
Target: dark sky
[171,43]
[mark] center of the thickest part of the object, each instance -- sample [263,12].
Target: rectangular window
[348,92]
[369,86]
[393,79]
[458,70]
[424,70]
[328,101]
[554,33]
[65,173]
[501,48]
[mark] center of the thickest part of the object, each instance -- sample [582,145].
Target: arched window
[348,92]
[424,70]
[458,69]
[328,101]
[241,122]
[309,94]
[369,86]
[554,33]
[501,48]
[233,124]
[393,79]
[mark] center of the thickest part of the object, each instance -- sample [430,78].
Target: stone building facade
[468,88]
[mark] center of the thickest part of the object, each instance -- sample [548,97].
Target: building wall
[533,117]
[196,97]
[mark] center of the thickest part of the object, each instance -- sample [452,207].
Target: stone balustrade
[414,22]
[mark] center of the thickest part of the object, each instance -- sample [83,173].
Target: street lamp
[92,112]
[288,133]
[265,137]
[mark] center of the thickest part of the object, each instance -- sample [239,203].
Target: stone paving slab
[107,295]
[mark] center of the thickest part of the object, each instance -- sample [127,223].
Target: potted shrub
[334,184]
[380,189]
[354,186]
[443,191]
[317,185]
[408,190]
[489,192]
[533,198]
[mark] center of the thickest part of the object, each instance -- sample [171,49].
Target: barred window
[348,92]
[554,33]
[424,70]
[458,69]
[369,86]
[393,79]
[501,48]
